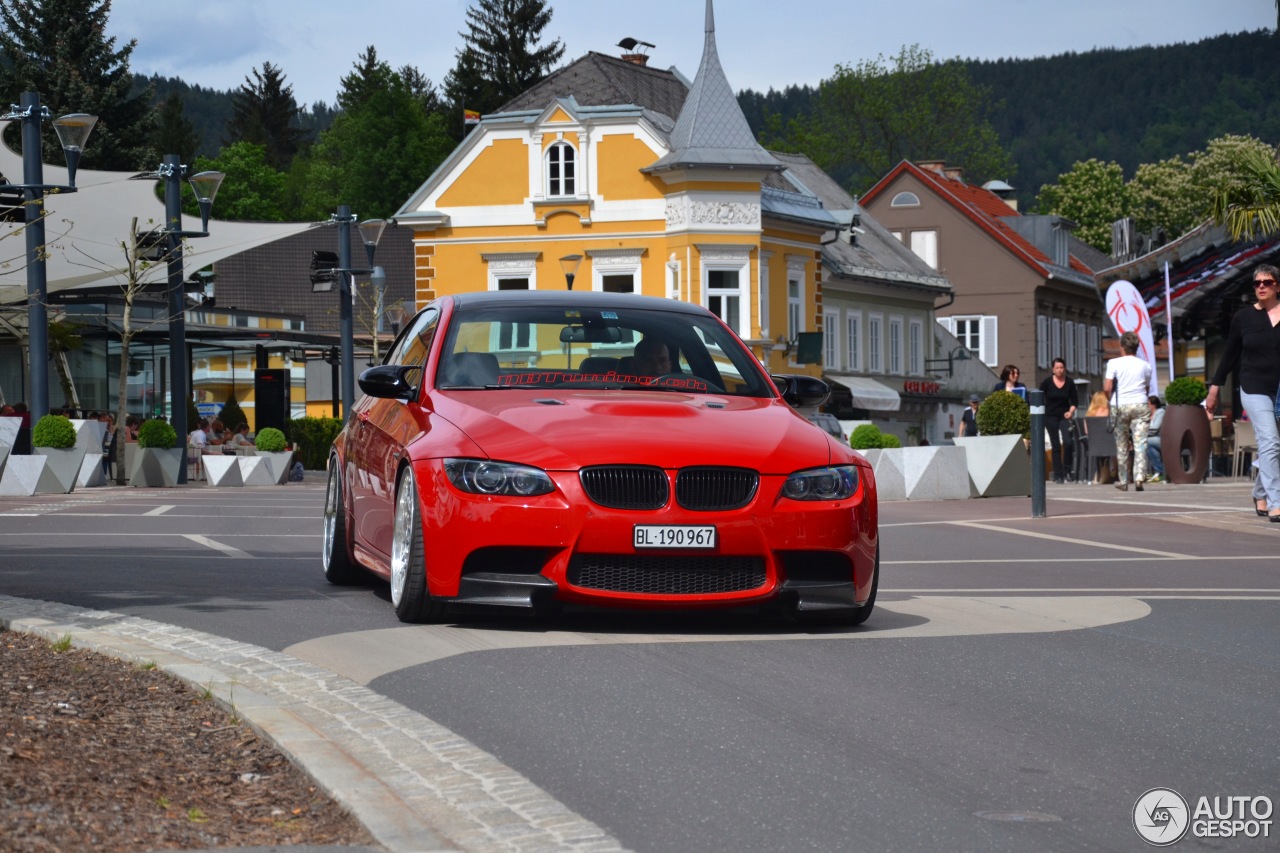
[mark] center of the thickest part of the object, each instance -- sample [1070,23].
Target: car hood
[567,431]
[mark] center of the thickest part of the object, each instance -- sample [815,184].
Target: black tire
[409,595]
[339,568]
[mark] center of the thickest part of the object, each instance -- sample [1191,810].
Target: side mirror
[389,381]
[801,391]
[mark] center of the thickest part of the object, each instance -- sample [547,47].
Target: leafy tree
[868,118]
[253,190]
[174,133]
[500,56]
[1093,195]
[265,113]
[1178,196]
[59,49]
[378,151]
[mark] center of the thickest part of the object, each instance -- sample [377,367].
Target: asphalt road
[1021,684]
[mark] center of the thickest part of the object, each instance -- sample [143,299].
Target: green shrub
[157,433]
[1004,413]
[888,439]
[270,440]
[312,438]
[232,416]
[54,431]
[865,437]
[1185,391]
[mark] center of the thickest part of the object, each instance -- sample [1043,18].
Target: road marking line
[160,510]
[217,546]
[1198,511]
[1077,589]
[1070,540]
[1038,560]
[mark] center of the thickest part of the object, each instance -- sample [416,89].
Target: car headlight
[484,477]
[822,484]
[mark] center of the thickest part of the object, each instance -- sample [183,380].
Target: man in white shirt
[1127,380]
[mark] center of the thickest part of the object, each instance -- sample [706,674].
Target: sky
[762,45]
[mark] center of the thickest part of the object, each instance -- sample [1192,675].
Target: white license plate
[675,536]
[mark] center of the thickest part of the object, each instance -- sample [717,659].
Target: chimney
[633,55]
[953,172]
[937,166]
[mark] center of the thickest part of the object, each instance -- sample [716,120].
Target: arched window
[905,199]
[561,171]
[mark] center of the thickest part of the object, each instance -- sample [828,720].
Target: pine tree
[265,113]
[59,48]
[500,56]
[174,133]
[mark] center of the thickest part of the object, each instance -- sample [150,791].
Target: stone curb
[416,786]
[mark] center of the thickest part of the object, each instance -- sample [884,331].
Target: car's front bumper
[531,552]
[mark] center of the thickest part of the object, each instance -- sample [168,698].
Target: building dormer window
[561,171]
[905,199]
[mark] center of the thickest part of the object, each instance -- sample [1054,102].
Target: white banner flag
[1128,313]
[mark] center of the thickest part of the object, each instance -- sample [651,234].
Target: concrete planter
[998,465]
[919,473]
[224,470]
[279,462]
[1185,428]
[9,430]
[4,454]
[64,463]
[89,436]
[50,471]
[155,467]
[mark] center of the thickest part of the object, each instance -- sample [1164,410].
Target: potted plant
[159,459]
[53,468]
[272,444]
[997,458]
[1185,427]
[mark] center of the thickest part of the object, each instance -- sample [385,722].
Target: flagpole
[1168,319]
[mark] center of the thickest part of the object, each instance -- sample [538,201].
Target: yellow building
[611,175]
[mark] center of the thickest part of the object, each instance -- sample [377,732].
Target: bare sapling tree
[146,261]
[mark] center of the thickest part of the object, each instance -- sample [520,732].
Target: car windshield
[512,346]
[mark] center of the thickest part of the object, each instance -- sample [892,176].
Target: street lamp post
[205,185]
[73,130]
[322,274]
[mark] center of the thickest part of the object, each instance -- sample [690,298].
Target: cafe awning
[867,393]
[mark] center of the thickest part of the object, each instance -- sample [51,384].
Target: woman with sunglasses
[1253,353]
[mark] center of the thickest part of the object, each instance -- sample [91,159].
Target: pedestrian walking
[1253,354]
[1126,382]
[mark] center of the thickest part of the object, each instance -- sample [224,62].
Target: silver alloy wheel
[330,516]
[402,537]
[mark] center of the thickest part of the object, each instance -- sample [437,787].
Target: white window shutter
[947,323]
[1042,341]
[990,353]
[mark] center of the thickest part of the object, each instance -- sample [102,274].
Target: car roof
[572,299]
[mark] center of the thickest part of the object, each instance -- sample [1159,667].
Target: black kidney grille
[666,575]
[626,486]
[712,489]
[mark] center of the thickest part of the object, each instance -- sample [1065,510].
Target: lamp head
[206,186]
[570,263]
[73,132]
[370,233]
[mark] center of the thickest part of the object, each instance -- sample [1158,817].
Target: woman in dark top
[1009,381]
[1060,402]
[1253,352]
